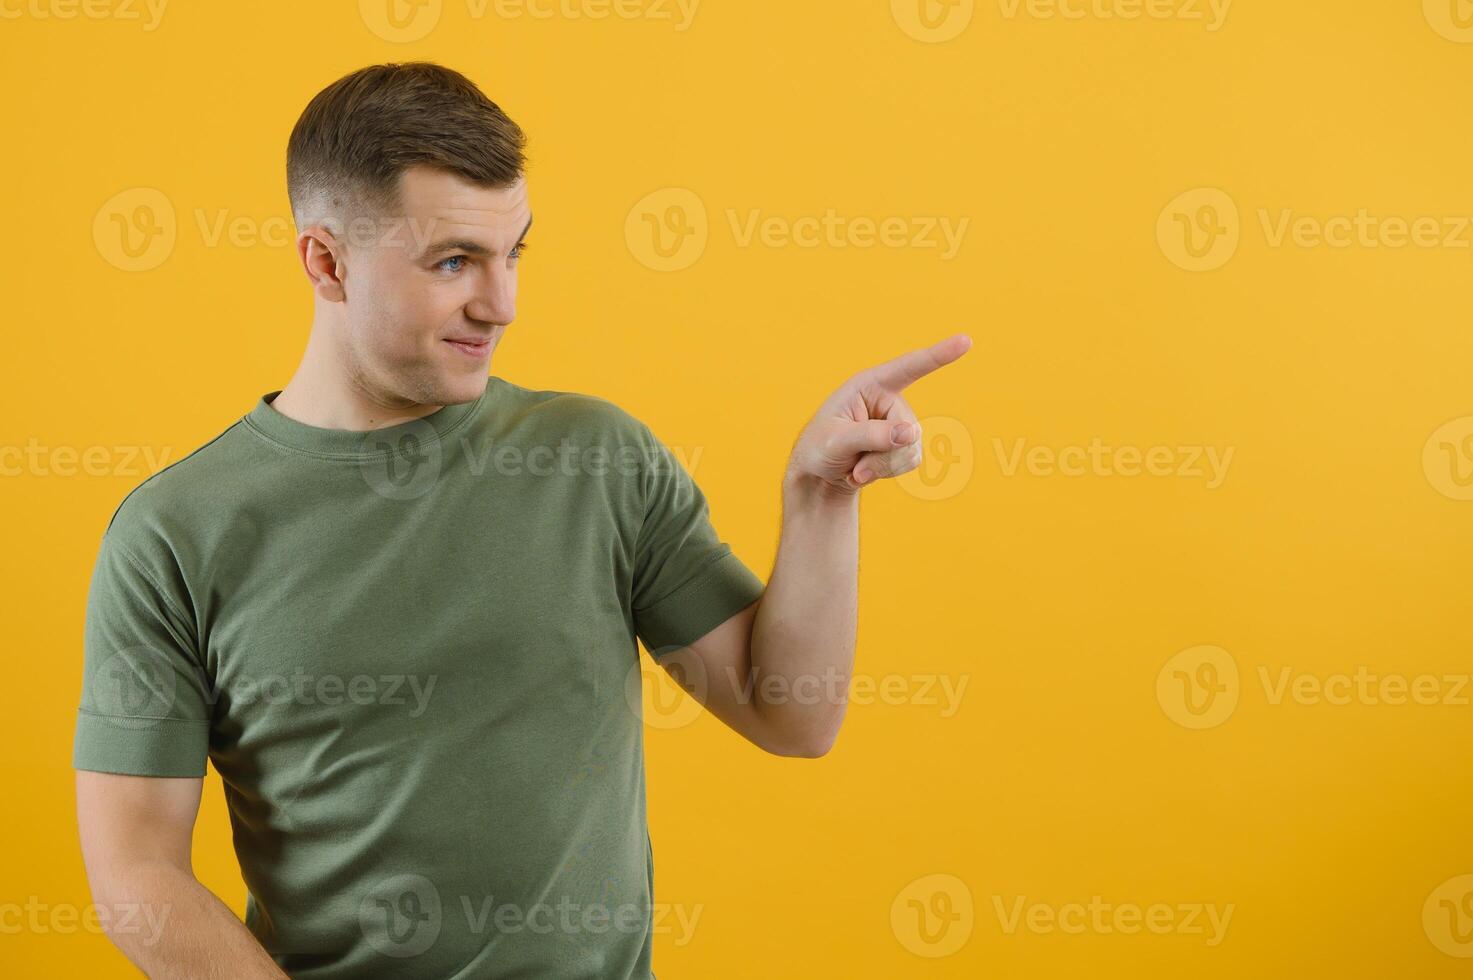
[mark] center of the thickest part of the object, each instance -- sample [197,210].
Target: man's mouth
[471,346]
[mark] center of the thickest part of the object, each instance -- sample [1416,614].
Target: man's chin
[455,391]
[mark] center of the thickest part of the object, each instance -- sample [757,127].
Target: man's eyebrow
[457,245]
[466,245]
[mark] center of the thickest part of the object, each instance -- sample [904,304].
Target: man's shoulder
[180,492]
[575,414]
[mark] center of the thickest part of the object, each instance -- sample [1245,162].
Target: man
[396,604]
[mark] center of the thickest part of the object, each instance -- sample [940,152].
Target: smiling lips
[471,346]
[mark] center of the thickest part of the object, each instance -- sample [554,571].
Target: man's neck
[322,393]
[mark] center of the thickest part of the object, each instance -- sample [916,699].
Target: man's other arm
[136,834]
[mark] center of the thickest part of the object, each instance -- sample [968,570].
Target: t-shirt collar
[278,428]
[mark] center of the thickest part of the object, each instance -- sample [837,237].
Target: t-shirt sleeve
[144,709]
[687,581]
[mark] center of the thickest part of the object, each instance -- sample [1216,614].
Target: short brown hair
[359,134]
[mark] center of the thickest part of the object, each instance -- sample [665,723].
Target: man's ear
[323,260]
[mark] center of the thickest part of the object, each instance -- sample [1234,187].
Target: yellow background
[1334,542]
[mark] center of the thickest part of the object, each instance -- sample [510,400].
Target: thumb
[874,435]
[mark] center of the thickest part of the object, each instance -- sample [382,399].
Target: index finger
[910,368]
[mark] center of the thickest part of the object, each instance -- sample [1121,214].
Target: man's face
[427,302]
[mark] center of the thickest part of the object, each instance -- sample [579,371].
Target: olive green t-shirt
[411,655]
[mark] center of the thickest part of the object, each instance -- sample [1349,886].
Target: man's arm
[136,841]
[778,672]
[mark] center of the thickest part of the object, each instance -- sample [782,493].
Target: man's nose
[495,301]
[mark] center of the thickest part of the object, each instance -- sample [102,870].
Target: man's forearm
[191,933]
[804,632]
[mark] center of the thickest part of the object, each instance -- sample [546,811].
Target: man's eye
[458,259]
[517,251]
